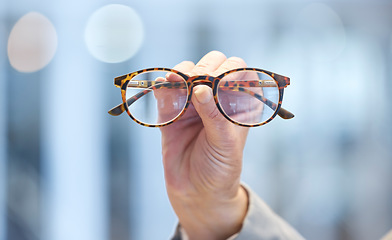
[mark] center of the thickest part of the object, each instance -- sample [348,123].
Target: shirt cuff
[184,236]
[261,222]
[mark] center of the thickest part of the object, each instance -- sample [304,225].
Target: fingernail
[203,94]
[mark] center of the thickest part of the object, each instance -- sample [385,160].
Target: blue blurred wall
[68,170]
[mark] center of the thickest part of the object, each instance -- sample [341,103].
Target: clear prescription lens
[248,97]
[156,97]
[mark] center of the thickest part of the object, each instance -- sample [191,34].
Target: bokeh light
[114,33]
[32,43]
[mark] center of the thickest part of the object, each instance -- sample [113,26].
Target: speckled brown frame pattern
[123,81]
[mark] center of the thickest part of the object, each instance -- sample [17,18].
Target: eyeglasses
[156,97]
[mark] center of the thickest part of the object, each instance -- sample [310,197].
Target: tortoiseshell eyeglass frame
[192,81]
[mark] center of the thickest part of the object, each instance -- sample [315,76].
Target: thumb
[217,127]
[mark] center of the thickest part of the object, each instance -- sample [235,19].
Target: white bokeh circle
[114,33]
[32,43]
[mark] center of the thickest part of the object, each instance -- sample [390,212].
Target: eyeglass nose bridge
[202,80]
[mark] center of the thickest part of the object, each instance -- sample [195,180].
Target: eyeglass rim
[281,85]
[282,82]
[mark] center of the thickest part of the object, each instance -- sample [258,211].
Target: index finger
[230,64]
[209,63]
[185,66]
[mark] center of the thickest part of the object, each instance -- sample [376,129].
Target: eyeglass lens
[246,97]
[162,96]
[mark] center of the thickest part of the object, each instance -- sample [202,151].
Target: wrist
[208,218]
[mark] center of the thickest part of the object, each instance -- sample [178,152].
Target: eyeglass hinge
[136,84]
[267,83]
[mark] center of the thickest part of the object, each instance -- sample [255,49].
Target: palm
[192,164]
[179,141]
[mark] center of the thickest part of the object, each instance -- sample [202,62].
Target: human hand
[202,158]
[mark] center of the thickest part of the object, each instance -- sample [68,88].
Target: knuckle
[236,61]
[230,64]
[201,68]
[214,113]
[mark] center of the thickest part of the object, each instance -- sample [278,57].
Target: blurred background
[68,170]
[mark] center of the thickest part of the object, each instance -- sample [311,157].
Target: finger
[224,137]
[170,99]
[203,97]
[204,103]
[230,64]
[185,66]
[209,63]
[218,129]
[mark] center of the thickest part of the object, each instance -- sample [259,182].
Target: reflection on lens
[156,97]
[248,97]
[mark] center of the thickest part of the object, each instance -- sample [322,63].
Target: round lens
[248,97]
[156,97]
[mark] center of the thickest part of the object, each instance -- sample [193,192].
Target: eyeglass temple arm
[152,85]
[283,113]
